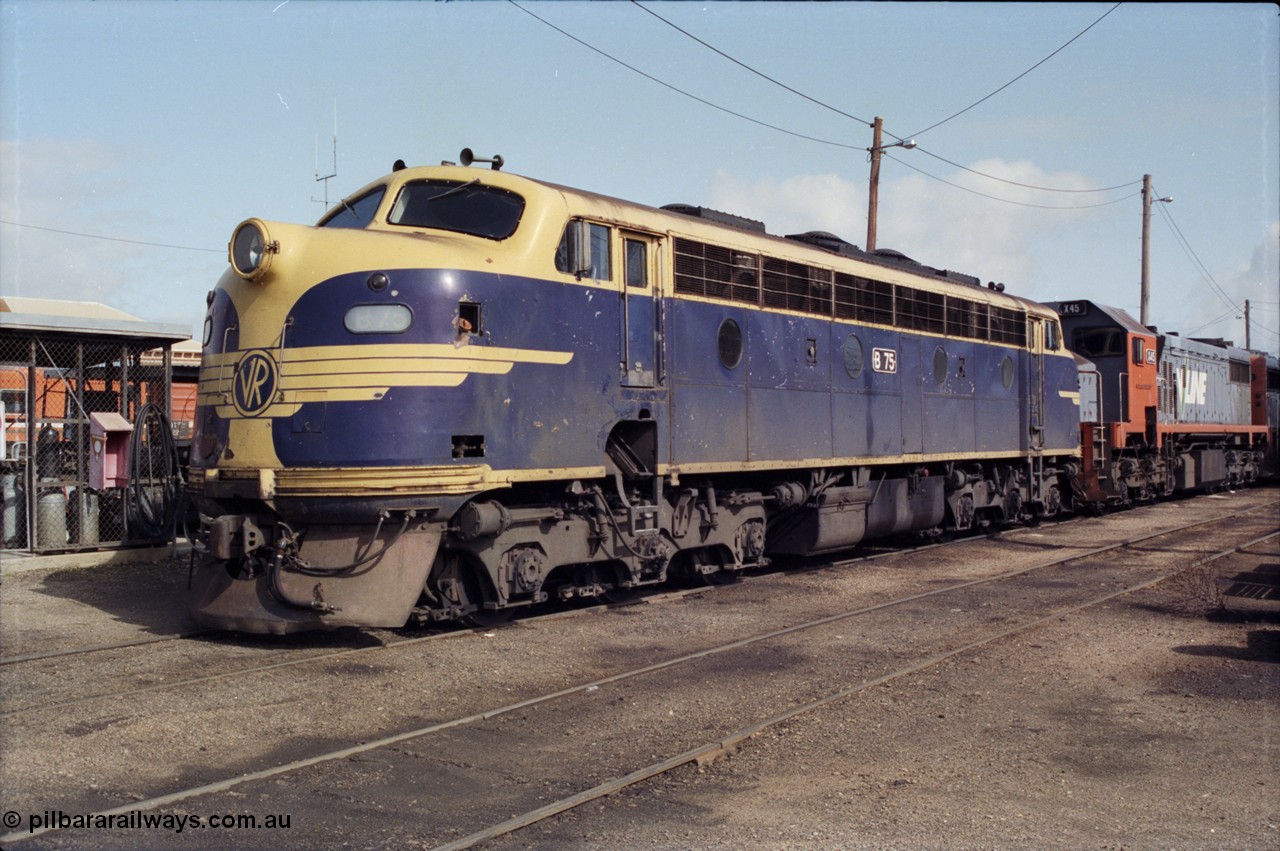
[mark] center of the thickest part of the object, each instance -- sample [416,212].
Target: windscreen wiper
[454,191]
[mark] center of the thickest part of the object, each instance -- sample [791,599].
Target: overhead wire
[1214,286]
[1229,314]
[834,109]
[1019,77]
[1182,238]
[1183,242]
[1185,245]
[841,112]
[1008,201]
[1236,309]
[1025,185]
[110,238]
[758,73]
[761,123]
[679,90]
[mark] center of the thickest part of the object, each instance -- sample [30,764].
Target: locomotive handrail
[223,369]
[660,307]
[1124,386]
[284,326]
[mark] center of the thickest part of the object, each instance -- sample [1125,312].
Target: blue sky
[169,123]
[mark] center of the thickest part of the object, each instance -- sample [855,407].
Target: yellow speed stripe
[357,354]
[363,372]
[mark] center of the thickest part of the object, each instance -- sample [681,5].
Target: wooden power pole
[873,194]
[1145,303]
[1145,307]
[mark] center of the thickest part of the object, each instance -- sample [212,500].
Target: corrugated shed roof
[59,307]
[84,318]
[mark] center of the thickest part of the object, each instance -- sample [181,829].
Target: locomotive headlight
[251,249]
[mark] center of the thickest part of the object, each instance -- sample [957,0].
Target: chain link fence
[86,459]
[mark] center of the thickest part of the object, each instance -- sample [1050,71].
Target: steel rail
[710,750]
[705,750]
[656,598]
[653,598]
[96,648]
[649,595]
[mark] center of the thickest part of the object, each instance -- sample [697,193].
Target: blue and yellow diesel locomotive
[466,391]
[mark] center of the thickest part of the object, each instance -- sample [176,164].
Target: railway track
[884,550]
[99,648]
[646,595]
[385,645]
[710,750]
[1084,561]
[391,640]
[394,642]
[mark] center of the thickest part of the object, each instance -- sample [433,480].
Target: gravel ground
[1150,722]
[1145,722]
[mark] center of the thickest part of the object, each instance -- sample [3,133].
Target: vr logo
[254,384]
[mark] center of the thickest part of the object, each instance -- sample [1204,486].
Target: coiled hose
[155,476]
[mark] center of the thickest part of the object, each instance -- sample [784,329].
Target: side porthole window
[729,344]
[939,365]
[378,319]
[1006,372]
[853,356]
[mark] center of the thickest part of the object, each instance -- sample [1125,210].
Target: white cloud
[1258,280]
[1086,251]
[927,220]
[797,204]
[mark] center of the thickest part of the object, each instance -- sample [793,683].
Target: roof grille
[717,216]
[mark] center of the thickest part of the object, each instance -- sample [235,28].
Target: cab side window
[1052,336]
[635,266]
[584,251]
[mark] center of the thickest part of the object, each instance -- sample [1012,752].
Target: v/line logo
[1194,386]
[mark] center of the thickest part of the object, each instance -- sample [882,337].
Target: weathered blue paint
[535,416]
[794,395]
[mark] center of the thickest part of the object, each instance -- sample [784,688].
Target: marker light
[251,249]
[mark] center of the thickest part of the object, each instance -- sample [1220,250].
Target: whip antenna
[326,178]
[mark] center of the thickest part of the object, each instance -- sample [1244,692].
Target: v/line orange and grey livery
[466,391]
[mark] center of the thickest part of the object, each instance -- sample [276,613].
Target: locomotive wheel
[459,583]
[621,596]
[480,617]
[700,560]
[487,618]
[721,577]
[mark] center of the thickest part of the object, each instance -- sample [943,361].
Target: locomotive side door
[640,258]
